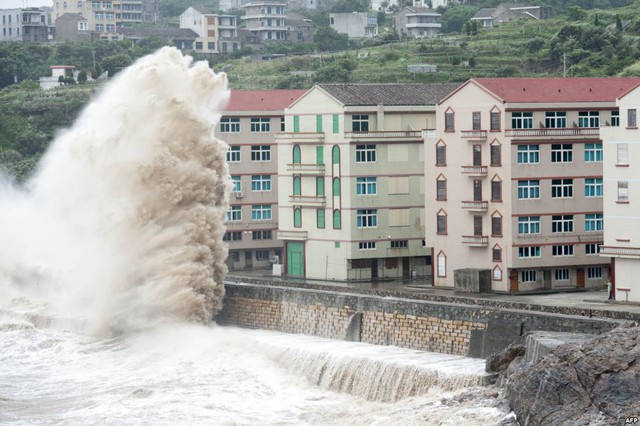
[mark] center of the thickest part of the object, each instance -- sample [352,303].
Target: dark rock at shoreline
[500,361]
[597,383]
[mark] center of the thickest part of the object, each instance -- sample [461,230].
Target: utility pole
[564,65]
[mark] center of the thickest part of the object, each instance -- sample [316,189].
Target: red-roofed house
[514,186]
[249,124]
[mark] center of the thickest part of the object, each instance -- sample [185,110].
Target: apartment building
[621,152]
[24,24]
[216,33]
[265,22]
[355,25]
[351,181]
[514,182]
[249,124]
[417,22]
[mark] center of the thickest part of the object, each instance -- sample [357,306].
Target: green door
[295,259]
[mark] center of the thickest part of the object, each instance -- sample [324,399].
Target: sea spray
[122,223]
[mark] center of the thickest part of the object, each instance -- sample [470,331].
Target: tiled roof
[202,10]
[484,13]
[389,94]
[549,90]
[262,100]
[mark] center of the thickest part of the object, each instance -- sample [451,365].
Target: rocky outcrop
[500,361]
[596,383]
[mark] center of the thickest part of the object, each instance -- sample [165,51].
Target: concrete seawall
[453,325]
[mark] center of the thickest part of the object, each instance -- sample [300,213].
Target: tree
[454,17]
[82,77]
[327,39]
[349,6]
[115,63]
[576,13]
[618,24]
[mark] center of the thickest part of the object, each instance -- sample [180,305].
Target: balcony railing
[302,137]
[474,170]
[476,240]
[393,135]
[564,132]
[476,206]
[619,251]
[308,200]
[475,135]
[292,235]
[309,168]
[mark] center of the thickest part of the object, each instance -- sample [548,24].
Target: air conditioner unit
[239,194]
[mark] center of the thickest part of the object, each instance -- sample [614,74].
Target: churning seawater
[111,267]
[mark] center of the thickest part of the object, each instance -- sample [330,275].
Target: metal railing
[476,205]
[619,251]
[475,240]
[573,131]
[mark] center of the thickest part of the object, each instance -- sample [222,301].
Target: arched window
[496,253]
[442,264]
[296,154]
[496,224]
[441,188]
[296,185]
[335,154]
[441,153]
[497,273]
[336,187]
[337,219]
[496,153]
[441,223]
[297,217]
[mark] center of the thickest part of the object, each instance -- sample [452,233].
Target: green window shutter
[297,217]
[336,187]
[319,123]
[319,154]
[320,186]
[320,218]
[296,185]
[296,124]
[337,219]
[296,154]
[336,124]
[335,154]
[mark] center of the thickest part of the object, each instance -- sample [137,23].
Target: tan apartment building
[621,151]
[216,33]
[514,182]
[351,181]
[265,22]
[248,125]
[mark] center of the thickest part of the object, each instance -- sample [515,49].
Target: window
[593,187]
[528,276]
[593,222]
[592,249]
[234,213]
[449,121]
[296,185]
[555,120]
[442,264]
[336,186]
[496,190]
[495,121]
[496,226]
[360,122]
[441,189]
[623,154]
[594,272]
[319,154]
[366,186]
[296,124]
[335,154]
[233,155]
[562,153]
[282,124]
[337,219]
[261,212]
[561,274]
[528,154]
[588,119]
[336,124]
[368,245]
[528,189]
[262,235]
[441,154]
[477,155]
[232,236]
[477,226]
[229,125]
[261,125]
[398,244]
[496,254]
[237,184]
[529,225]
[564,250]
[496,155]
[441,223]
[623,191]
[260,153]
[367,218]
[561,188]
[262,255]
[261,183]
[320,218]
[475,118]
[562,224]
[529,251]
[319,123]
[593,153]
[522,120]
[320,186]
[615,118]
[296,154]
[631,118]
[365,153]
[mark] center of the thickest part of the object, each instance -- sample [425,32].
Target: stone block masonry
[435,326]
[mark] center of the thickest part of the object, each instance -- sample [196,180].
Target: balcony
[474,171]
[304,137]
[308,200]
[423,25]
[474,135]
[475,240]
[292,235]
[581,132]
[306,169]
[620,251]
[385,136]
[475,206]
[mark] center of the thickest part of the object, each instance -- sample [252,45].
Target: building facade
[621,150]
[351,181]
[514,181]
[417,22]
[355,25]
[25,24]
[216,33]
[265,22]
[248,125]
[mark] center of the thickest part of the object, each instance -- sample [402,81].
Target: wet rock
[500,361]
[596,383]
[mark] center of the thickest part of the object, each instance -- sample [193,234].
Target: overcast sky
[10,4]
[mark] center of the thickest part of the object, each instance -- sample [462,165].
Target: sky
[10,4]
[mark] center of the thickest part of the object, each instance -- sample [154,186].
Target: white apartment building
[355,25]
[515,181]
[351,181]
[24,24]
[265,21]
[621,152]
[216,33]
[417,22]
[248,125]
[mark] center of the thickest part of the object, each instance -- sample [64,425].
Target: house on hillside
[417,22]
[299,27]
[72,27]
[514,182]
[355,25]
[25,24]
[57,71]
[216,33]
[505,12]
[265,22]
[351,181]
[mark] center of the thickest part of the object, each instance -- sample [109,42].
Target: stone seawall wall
[436,326]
